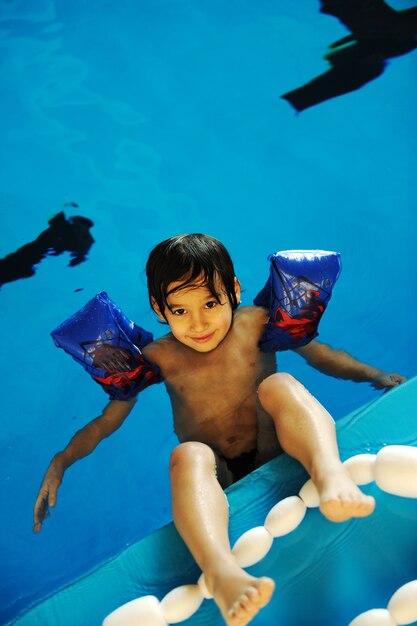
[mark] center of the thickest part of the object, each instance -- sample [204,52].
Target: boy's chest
[232,371]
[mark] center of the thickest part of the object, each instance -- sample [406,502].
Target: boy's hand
[387,381]
[47,493]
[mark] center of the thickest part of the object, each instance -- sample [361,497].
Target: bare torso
[214,394]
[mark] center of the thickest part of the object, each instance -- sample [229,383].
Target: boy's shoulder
[160,349]
[256,315]
[249,321]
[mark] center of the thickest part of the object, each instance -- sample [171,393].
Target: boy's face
[195,317]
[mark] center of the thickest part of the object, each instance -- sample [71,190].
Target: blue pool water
[159,117]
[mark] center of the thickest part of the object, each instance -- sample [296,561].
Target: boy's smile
[195,317]
[203,339]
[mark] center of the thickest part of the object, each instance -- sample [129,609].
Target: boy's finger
[41,511]
[53,494]
[38,516]
[52,499]
[37,526]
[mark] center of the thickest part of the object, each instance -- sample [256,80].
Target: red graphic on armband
[305,322]
[124,379]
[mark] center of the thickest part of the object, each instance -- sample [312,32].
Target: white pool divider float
[393,468]
[401,610]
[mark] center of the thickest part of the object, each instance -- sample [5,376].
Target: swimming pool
[164,117]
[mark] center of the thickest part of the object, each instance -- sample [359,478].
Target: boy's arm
[340,364]
[83,442]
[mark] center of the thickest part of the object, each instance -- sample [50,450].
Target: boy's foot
[340,498]
[238,595]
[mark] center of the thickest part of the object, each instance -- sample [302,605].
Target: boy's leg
[201,517]
[306,431]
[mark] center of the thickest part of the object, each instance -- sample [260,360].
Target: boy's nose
[198,323]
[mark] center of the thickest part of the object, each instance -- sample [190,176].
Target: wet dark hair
[185,258]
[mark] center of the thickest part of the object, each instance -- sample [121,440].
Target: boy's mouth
[203,339]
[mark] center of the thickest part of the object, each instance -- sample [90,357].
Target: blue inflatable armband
[108,346]
[296,293]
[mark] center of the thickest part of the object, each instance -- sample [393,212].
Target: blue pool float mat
[326,574]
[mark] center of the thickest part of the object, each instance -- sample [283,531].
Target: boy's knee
[189,453]
[280,382]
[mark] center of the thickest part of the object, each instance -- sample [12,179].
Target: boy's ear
[237,289]
[157,310]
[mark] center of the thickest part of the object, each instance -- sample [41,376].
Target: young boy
[232,412]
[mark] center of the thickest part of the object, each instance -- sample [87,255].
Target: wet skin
[212,382]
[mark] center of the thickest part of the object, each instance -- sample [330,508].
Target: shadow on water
[70,234]
[378,33]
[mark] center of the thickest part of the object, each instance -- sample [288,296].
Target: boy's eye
[211,304]
[179,312]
